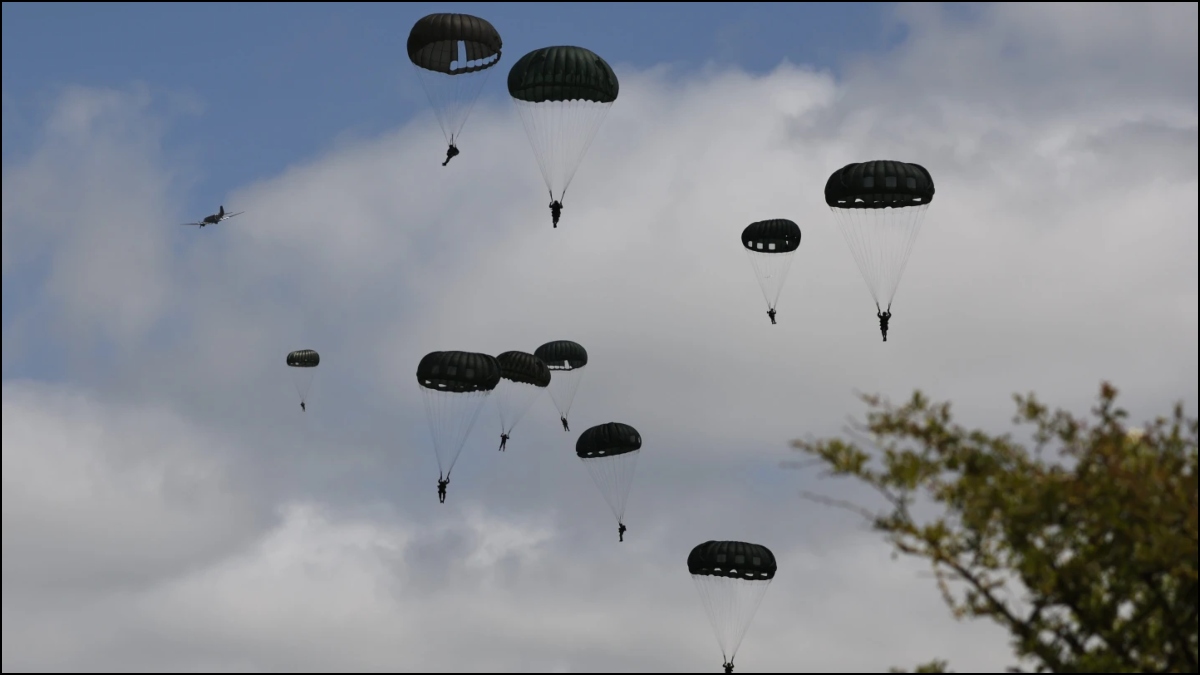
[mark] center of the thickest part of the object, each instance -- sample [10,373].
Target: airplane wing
[230,215]
[196,224]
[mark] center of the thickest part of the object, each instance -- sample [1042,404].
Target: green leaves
[1101,544]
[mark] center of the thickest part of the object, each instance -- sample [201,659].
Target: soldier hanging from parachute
[879,207]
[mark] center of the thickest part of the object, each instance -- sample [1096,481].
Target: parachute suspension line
[881,241]
[614,476]
[451,416]
[731,605]
[772,270]
[561,133]
[303,381]
[513,400]
[563,384]
[453,96]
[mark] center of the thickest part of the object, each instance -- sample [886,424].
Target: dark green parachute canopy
[303,358]
[562,74]
[562,355]
[458,372]
[524,368]
[879,184]
[732,559]
[433,43]
[608,440]
[778,235]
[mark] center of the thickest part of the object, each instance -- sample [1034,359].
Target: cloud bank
[167,507]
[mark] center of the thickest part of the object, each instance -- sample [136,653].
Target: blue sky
[168,505]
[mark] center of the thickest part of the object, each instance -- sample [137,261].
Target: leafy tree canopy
[1089,561]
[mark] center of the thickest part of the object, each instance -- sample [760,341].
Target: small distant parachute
[879,207]
[771,245]
[732,578]
[566,361]
[454,385]
[303,364]
[453,55]
[523,377]
[610,453]
[563,95]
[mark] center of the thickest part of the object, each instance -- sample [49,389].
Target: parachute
[610,452]
[566,361]
[563,95]
[453,55]
[303,364]
[455,385]
[732,578]
[522,378]
[771,245]
[879,207]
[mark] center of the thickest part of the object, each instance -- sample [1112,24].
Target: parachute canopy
[458,372]
[732,559]
[771,245]
[523,377]
[608,440]
[879,184]
[454,386]
[523,368]
[433,43]
[610,452]
[562,95]
[303,358]
[732,577]
[566,360]
[453,55]
[772,236]
[562,355]
[879,207]
[562,74]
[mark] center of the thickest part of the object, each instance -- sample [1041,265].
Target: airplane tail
[222,212]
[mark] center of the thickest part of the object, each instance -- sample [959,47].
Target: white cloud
[1059,251]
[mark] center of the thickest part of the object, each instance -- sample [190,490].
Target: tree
[1102,544]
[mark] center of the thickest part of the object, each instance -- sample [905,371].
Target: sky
[167,506]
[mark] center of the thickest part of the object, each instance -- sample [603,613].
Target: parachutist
[503,441]
[728,666]
[302,408]
[564,421]
[883,320]
[621,531]
[442,483]
[771,313]
[556,211]
[451,153]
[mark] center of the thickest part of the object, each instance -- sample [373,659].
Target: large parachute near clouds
[771,245]
[610,453]
[732,578]
[563,95]
[453,55]
[566,361]
[523,377]
[303,364]
[879,206]
[454,386]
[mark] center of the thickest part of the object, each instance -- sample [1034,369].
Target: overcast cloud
[166,506]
